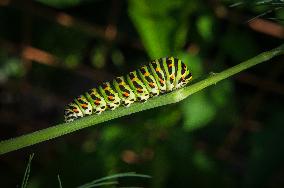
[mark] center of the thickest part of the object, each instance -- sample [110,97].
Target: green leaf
[198,111]
[27,172]
[103,181]
[163,31]
[205,27]
[59,181]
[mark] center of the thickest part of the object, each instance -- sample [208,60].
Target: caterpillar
[158,77]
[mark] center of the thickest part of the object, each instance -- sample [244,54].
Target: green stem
[175,96]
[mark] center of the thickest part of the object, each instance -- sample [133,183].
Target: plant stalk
[173,97]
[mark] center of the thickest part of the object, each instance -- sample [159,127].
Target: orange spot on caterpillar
[110,97]
[157,69]
[126,94]
[146,74]
[84,105]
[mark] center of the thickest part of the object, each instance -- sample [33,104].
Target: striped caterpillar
[159,76]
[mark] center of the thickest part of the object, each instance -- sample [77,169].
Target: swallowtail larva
[159,76]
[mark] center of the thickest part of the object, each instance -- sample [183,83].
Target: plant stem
[175,96]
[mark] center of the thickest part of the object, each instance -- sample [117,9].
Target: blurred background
[228,135]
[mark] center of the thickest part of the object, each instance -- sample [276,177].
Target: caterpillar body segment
[158,73]
[124,91]
[97,101]
[159,76]
[169,68]
[149,81]
[110,96]
[138,86]
[84,105]
[72,111]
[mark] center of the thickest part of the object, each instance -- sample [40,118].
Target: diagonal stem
[173,97]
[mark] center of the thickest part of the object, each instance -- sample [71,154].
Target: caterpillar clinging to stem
[159,76]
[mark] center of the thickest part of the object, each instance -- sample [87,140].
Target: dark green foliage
[228,135]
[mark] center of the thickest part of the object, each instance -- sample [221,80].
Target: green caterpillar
[159,76]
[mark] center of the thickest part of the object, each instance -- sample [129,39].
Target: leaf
[164,30]
[27,172]
[103,181]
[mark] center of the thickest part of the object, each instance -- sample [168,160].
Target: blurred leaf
[158,120]
[59,181]
[205,27]
[98,56]
[112,132]
[72,60]
[117,57]
[202,162]
[162,31]
[198,111]
[27,172]
[10,67]
[222,93]
[104,180]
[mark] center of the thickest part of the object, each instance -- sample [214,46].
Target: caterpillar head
[184,76]
[187,78]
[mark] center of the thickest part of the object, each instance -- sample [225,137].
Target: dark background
[228,135]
